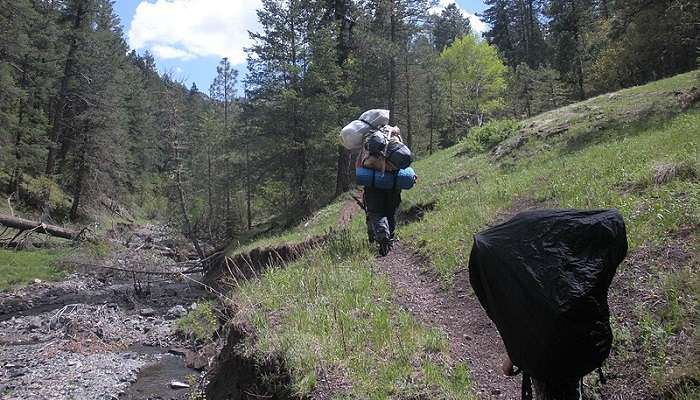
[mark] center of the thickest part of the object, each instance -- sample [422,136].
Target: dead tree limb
[22,225]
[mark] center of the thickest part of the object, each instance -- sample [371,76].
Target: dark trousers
[560,391]
[381,206]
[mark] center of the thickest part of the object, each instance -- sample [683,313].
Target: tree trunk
[431,99]
[604,10]
[56,132]
[409,133]
[16,182]
[392,65]
[343,179]
[22,224]
[183,209]
[209,191]
[248,189]
[80,182]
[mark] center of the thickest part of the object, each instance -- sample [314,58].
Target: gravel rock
[147,312]
[179,385]
[177,312]
[35,323]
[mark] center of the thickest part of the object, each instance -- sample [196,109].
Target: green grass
[199,324]
[19,268]
[320,223]
[330,312]
[579,124]
[597,177]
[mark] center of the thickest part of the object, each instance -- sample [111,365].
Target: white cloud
[477,24]
[186,29]
[167,52]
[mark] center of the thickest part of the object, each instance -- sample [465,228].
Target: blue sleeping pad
[402,179]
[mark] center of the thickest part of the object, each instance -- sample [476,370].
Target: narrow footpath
[456,312]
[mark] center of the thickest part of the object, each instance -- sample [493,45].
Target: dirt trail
[473,338]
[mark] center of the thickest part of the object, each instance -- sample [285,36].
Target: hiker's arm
[507,368]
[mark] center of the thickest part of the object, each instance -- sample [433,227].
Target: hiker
[380,208]
[543,277]
[383,169]
[566,390]
[382,203]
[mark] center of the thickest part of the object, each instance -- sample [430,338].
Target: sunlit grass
[605,175]
[19,268]
[330,312]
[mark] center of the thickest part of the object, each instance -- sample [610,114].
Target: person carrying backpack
[381,204]
[383,169]
[560,390]
[543,278]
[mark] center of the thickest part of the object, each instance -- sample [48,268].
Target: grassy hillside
[329,314]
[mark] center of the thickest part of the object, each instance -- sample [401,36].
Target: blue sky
[189,37]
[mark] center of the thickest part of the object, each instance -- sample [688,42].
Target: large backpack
[543,279]
[384,150]
[353,134]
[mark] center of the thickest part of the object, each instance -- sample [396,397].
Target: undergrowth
[200,324]
[322,221]
[331,317]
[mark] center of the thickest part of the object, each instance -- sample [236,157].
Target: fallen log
[23,225]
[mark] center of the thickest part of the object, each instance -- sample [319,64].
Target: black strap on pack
[371,125]
[526,387]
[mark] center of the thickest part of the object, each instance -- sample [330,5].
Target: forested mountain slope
[334,318]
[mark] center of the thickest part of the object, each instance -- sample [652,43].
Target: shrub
[199,324]
[488,136]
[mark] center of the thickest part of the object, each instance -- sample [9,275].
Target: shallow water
[153,381]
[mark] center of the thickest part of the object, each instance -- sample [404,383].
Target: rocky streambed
[100,334]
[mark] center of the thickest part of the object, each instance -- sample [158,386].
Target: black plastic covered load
[543,279]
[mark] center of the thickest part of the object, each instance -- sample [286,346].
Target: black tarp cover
[543,279]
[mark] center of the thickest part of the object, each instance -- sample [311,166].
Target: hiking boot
[384,247]
[392,241]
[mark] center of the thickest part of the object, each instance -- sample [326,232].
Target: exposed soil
[230,270]
[237,375]
[415,213]
[473,337]
[350,209]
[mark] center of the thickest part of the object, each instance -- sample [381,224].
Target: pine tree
[293,83]
[449,26]
[27,73]
[99,123]
[568,21]
[516,30]
[223,91]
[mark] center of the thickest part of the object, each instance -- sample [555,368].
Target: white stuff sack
[353,134]
[375,118]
